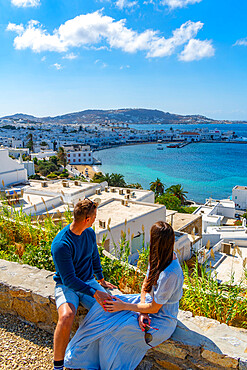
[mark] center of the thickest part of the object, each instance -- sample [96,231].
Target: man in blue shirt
[76,258]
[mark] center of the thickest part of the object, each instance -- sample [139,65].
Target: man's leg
[86,300]
[66,315]
[67,303]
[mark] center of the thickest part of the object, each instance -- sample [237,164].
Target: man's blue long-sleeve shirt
[76,259]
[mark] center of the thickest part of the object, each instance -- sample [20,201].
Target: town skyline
[181,56]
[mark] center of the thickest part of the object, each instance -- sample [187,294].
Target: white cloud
[163,47]
[57,66]
[241,42]
[26,3]
[43,59]
[93,29]
[125,4]
[178,3]
[70,56]
[100,63]
[196,50]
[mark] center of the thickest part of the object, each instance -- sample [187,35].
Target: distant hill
[118,116]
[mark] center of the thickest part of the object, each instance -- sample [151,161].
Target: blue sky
[180,56]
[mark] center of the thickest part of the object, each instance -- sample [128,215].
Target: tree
[178,191]
[135,186]
[30,142]
[157,187]
[62,156]
[170,201]
[116,179]
[53,159]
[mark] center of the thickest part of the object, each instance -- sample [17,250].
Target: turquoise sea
[204,169]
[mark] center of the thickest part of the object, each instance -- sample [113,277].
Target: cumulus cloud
[172,4]
[125,4]
[70,56]
[94,29]
[241,42]
[25,3]
[196,50]
[57,66]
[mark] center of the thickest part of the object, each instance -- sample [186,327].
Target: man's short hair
[84,209]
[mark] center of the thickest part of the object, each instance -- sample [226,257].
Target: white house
[11,172]
[239,197]
[189,136]
[79,154]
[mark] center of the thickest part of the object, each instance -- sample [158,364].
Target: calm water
[204,170]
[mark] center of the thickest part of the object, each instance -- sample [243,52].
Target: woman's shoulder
[174,270]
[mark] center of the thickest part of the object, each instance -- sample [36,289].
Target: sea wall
[197,343]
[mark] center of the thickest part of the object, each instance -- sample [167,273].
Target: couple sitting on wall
[118,330]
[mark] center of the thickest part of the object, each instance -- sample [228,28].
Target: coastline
[171,142]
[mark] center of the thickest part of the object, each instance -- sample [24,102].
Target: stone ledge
[197,343]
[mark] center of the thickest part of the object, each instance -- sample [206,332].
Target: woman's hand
[115,305]
[141,318]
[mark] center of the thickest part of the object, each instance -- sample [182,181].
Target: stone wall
[197,343]
[194,227]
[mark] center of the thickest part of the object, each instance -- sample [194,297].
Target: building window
[89,154]
[79,154]
[74,155]
[73,160]
[68,155]
[236,197]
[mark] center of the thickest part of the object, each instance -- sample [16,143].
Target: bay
[204,169]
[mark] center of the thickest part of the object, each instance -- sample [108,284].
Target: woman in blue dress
[117,338]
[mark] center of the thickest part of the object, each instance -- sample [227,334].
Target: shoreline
[170,142]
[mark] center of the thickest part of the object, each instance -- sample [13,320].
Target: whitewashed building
[239,197]
[189,136]
[11,172]
[79,154]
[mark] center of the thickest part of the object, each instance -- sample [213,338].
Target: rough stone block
[220,359]
[172,349]
[29,311]
[20,293]
[168,365]
[40,299]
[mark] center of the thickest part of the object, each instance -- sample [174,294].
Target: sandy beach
[82,168]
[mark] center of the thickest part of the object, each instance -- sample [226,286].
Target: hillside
[140,116]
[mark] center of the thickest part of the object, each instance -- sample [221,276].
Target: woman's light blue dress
[114,341]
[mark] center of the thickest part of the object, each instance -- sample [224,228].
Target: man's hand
[142,317]
[106,284]
[101,297]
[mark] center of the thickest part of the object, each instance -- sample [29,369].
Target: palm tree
[116,179]
[178,191]
[62,156]
[157,187]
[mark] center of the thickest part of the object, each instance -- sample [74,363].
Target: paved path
[23,346]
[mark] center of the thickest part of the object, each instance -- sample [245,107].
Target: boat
[172,146]
[159,147]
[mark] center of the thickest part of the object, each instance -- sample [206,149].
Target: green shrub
[52,176]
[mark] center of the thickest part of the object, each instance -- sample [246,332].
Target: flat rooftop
[239,187]
[29,200]
[227,267]
[57,187]
[118,213]
[203,210]
[181,220]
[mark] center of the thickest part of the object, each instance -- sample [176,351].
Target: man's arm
[64,266]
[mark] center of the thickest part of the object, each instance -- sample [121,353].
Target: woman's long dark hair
[162,239]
